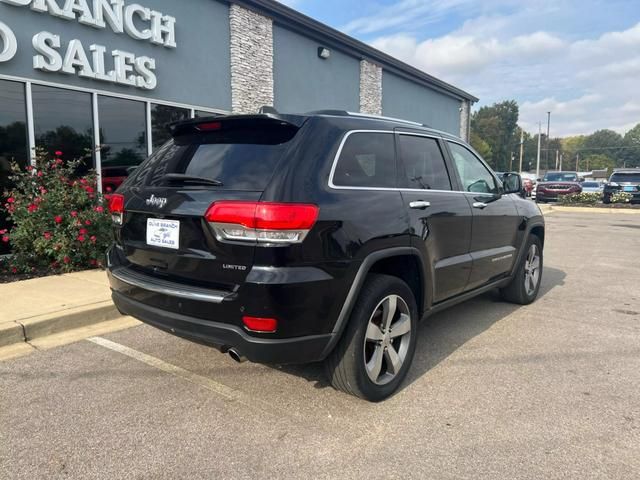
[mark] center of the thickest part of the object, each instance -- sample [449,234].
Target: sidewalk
[40,307]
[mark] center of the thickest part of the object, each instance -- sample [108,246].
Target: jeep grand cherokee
[318,237]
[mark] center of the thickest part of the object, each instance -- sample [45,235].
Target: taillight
[116,207]
[261,222]
[259,324]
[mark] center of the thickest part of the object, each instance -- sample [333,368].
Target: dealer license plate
[163,233]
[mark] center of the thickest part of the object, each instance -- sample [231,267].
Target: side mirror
[512,183]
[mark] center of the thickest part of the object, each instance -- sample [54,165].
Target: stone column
[465,119]
[370,88]
[251,60]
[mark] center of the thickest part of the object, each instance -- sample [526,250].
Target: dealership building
[107,76]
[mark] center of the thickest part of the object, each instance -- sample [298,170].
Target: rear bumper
[225,336]
[304,300]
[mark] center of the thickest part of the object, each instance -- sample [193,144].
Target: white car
[592,187]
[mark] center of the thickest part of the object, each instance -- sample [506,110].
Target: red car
[557,184]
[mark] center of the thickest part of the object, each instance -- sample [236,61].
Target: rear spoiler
[226,122]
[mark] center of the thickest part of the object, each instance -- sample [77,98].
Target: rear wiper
[184,178]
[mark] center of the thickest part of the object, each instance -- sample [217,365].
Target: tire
[346,366]
[525,284]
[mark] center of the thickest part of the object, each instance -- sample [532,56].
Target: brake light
[258,324]
[209,126]
[262,222]
[116,207]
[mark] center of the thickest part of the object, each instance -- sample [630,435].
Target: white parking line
[194,378]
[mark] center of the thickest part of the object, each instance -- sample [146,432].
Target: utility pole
[577,162]
[538,155]
[561,155]
[521,148]
[546,155]
[557,159]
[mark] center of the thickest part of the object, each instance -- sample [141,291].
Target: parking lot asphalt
[551,390]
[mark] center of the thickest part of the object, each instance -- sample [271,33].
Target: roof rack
[345,113]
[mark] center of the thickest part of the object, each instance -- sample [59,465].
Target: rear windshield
[625,177]
[560,177]
[242,159]
[590,184]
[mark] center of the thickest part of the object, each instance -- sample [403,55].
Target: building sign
[53,53]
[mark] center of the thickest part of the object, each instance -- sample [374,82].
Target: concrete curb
[560,208]
[28,329]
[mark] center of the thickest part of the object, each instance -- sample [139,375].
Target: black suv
[625,180]
[326,236]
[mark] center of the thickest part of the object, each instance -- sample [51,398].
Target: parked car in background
[530,178]
[623,180]
[590,186]
[557,184]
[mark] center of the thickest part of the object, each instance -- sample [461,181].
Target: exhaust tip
[234,354]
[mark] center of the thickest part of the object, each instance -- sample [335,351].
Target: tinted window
[367,160]
[474,175]
[161,117]
[243,159]
[625,177]
[63,121]
[590,184]
[423,163]
[560,177]
[123,139]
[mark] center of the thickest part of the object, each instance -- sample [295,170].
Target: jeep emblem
[154,201]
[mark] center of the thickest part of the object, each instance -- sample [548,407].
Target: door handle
[479,205]
[419,204]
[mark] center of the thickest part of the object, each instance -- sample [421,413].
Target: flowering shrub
[60,222]
[621,197]
[588,198]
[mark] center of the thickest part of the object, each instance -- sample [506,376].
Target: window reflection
[202,113]
[123,139]
[161,117]
[13,138]
[63,121]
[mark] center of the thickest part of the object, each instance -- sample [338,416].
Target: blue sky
[579,59]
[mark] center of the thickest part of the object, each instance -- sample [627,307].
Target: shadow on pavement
[442,334]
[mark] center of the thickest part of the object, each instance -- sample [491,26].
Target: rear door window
[367,159]
[423,163]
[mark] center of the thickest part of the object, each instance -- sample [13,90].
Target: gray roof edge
[308,26]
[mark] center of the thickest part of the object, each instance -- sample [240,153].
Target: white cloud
[588,83]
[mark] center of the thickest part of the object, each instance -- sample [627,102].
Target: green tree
[481,147]
[497,126]
[597,161]
[631,154]
[604,142]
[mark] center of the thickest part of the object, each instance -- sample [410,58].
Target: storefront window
[123,139]
[13,138]
[63,121]
[161,117]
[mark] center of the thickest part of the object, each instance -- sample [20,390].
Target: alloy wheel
[532,270]
[387,339]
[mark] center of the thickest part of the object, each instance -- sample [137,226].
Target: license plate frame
[163,233]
